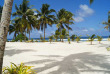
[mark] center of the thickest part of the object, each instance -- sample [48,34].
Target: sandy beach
[60,58]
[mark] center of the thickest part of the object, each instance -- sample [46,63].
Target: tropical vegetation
[20,69]
[99,39]
[91,38]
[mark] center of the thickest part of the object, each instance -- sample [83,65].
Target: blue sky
[88,18]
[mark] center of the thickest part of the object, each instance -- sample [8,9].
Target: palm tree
[57,33]
[63,18]
[78,38]
[73,37]
[99,38]
[69,19]
[28,19]
[45,17]
[63,34]
[1,12]
[91,38]
[5,21]
[107,23]
[50,38]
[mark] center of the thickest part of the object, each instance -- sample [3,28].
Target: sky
[88,18]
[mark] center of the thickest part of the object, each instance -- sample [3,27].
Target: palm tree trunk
[68,29]
[44,32]
[4,26]
[29,35]
[91,42]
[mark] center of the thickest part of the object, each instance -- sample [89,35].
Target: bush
[12,41]
[69,40]
[21,69]
[32,40]
[20,40]
[21,36]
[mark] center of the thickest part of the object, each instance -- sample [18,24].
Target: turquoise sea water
[82,39]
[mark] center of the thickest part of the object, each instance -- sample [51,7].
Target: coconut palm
[69,19]
[78,38]
[56,36]
[28,19]
[5,21]
[73,37]
[1,11]
[45,17]
[91,38]
[63,34]
[62,20]
[15,27]
[107,23]
[50,38]
[99,39]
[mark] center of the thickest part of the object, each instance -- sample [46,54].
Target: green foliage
[20,40]
[99,38]
[50,38]
[91,38]
[32,40]
[57,33]
[12,41]
[21,69]
[41,38]
[69,40]
[73,37]
[78,38]
[21,36]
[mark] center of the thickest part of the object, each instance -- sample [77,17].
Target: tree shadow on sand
[75,63]
[12,52]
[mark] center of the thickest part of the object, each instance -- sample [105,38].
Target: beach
[60,58]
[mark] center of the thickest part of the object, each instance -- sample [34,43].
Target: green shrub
[21,36]
[78,38]
[69,40]
[99,38]
[73,37]
[50,38]
[21,69]
[32,40]
[12,41]
[20,40]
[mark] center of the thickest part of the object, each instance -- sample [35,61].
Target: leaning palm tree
[99,39]
[1,11]
[91,38]
[28,19]
[45,17]
[5,21]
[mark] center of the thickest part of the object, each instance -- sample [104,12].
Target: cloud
[85,30]
[84,11]
[40,32]
[78,19]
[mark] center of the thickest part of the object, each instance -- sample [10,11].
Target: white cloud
[92,29]
[85,30]
[40,32]
[78,19]
[84,11]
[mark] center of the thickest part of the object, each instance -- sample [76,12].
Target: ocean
[82,39]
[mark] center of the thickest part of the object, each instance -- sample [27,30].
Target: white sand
[61,58]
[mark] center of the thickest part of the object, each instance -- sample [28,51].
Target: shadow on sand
[12,52]
[75,63]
